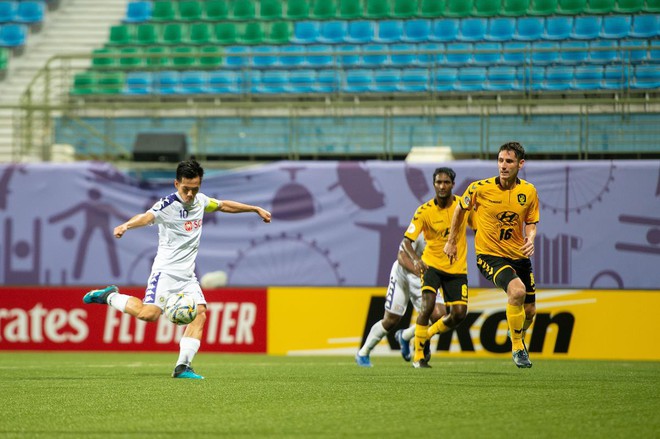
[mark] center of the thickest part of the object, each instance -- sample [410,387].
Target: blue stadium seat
[444,30]
[386,81]
[30,12]
[302,81]
[13,35]
[654,51]
[430,54]
[388,31]
[192,82]
[529,29]
[487,53]
[472,29]
[558,27]
[320,55]
[360,32]
[646,77]
[371,56]
[644,26]
[305,32]
[407,57]
[588,77]
[444,79]
[502,78]
[603,51]
[516,52]
[327,81]
[138,83]
[348,55]
[616,77]
[416,31]
[558,78]
[586,27]
[531,78]
[615,27]
[634,51]
[333,32]
[273,81]
[574,52]
[223,82]
[264,57]
[545,52]
[471,79]
[415,80]
[500,29]
[291,56]
[7,11]
[358,81]
[252,81]
[138,12]
[166,82]
[233,58]
[459,54]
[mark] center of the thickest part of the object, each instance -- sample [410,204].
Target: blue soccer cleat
[521,359]
[185,371]
[100,296]
[405,346]
[363,361]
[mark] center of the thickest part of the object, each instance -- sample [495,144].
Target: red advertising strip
[45,318]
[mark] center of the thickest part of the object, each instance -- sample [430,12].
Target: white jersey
[179,232]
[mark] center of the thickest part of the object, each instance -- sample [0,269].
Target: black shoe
[421,364]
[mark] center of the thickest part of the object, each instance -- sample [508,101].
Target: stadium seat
[252,81]
[654,51]
[416,31]
[459,54]
[472,29]
[327,81]
[273,81]
[432,8]
[183,57]
[190,10]
[603,51]
[377,9]
[324,10]
[414,80]
[600,6]
[320,55]
[264,57]
[615,27]
[350,10]
[279,33]
[459,8]
[358,81]
[192,82]
[348,55]
[13,35]
[501,78]
[253,33]
[30,12]
[644,26]
[243,10]
[444,30]
[120,35]
[500,29]
[646,77]
[558,28]
[543,7]
[131,58]
[138,83]
[216,10]
[545,52]
[199,33]
[4,62]
[586,28]
[628,6]
[306,32]
[146,34]
[386,81]
[405,9]
[292,56]
[515,52]
[588,78]
[138,12]
[173,33]
[157,57]
[109,82]
[104,58]
[225,33]
[486,8]
[297,10]
[615,77]
[7,11]
[164,11]
[444,79]
[574,52]
[634,51]
[471,79]
[302,81]
[571,7]
[430,54]
[223,82]
[388,31]
[529,29]
[406,57]
[83,83]
[558,78]
[374,55]
[237,56]
[270,10]
[332,32]
[515,8]
[360,31]
[487,53]
[209,57]
[530,78]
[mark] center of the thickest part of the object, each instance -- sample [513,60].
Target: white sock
[408,333]
[118,301]
[188,347]
[375,336]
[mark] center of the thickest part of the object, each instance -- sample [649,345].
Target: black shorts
[501,271]
[453,286]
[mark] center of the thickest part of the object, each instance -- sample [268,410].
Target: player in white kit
[179,217]
[405,285]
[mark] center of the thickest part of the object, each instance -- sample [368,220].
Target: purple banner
[334,223]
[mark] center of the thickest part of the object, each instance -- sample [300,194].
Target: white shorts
[405,286]
[161,285]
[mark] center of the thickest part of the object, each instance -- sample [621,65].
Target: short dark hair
[516,147]
[189,169]
[449,171]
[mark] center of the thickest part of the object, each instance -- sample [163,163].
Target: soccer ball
[180,308]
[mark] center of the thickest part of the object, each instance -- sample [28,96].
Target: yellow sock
[420,340]
[515,316]
[437,328]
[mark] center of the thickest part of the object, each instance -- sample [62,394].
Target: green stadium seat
[487,8]
[101,59]
[164,11]
[83,83]
[600,6]
[377,9]
[459,8]
[405,9]
[515,8]
[157,57]
[216,10]
[324,10]
[4,62]
[183,57]
[252,33]
[226,33]
[109,82]
[432,8]
[350,9]
[543,7]
[200,33]
[243,10]
[120,35]
[210,57]
[190,10]
[270,10]
[297,9]
[571,7]
[652,6]
[173,33]
[132,60]
[146,34]
[279,33]
[628,6]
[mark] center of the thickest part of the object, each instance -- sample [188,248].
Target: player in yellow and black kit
[507,210]
[434,219]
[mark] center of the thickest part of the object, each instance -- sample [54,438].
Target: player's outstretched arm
[139,220]
[456,220]
[229,206]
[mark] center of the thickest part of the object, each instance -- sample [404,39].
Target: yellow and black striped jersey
[501,215]
[434,222]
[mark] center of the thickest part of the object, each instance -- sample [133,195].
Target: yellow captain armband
[213,205]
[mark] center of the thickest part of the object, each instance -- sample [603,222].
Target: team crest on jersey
[522,199]
[466,200]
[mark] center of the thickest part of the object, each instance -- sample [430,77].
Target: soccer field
[131,395]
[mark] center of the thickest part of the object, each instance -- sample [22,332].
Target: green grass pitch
[122,395]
